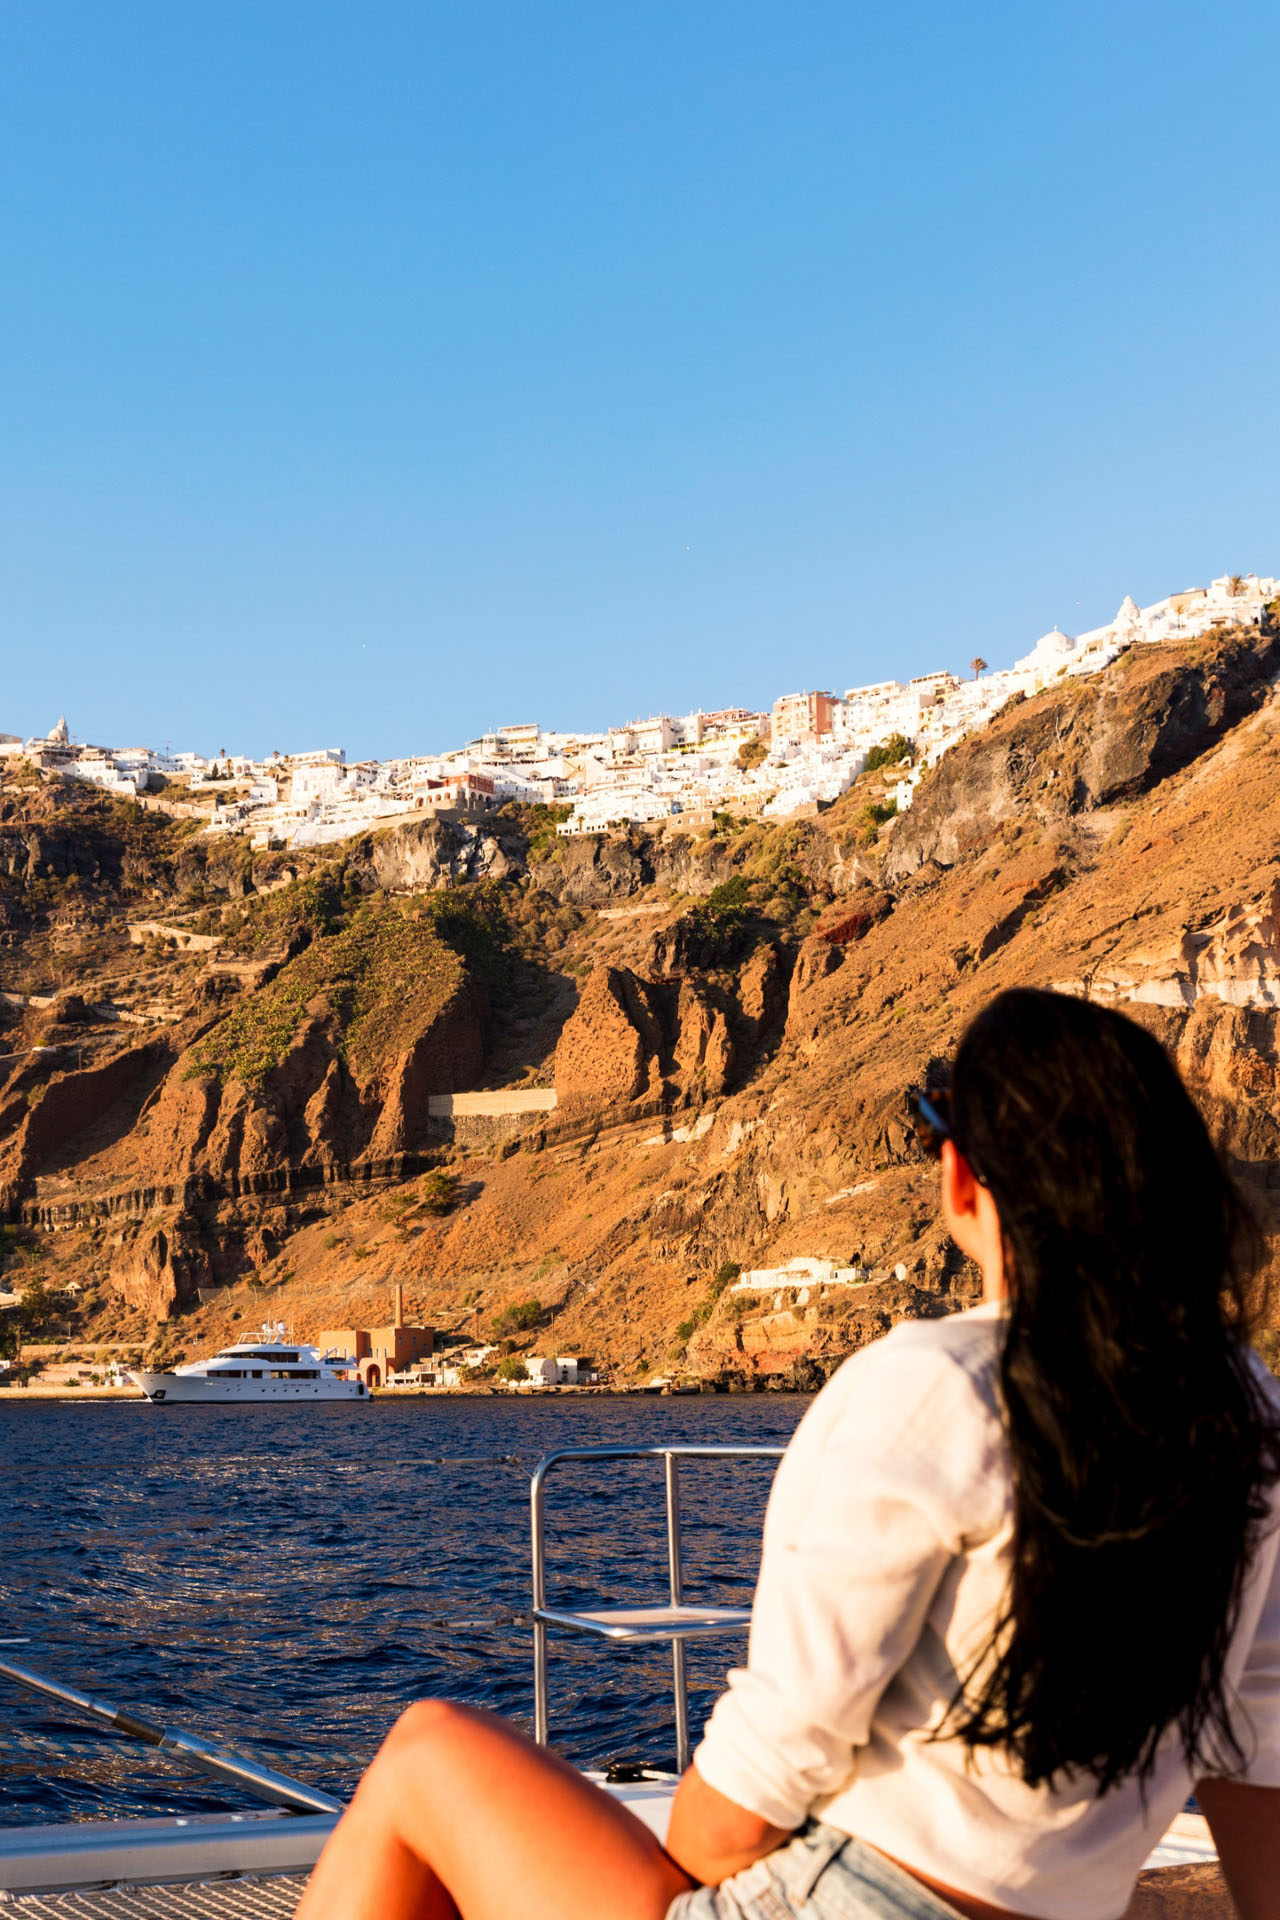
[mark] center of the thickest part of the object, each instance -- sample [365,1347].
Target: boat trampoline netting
[271,1897]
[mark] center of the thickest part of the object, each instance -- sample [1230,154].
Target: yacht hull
[175,1389]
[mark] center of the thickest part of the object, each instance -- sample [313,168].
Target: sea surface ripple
[286,1579]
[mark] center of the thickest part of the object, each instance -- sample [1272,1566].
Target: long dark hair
[1142,1442]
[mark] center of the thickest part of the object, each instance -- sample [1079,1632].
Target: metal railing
[220,1763]
[676,1622]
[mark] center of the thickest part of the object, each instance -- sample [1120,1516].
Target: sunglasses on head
[929,1110]
[930,1113]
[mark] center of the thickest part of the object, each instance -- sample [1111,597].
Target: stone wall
[482,1119]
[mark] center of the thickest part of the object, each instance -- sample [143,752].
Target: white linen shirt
[885,1562]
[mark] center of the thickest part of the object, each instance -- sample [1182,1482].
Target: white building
[868,716]
[101,771]
[524,741]
[566,1370]
[644,738]
[800,1278]
[315,757]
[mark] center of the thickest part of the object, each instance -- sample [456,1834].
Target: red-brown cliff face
[727,1022]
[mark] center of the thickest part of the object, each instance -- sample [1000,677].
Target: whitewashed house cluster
[686,768]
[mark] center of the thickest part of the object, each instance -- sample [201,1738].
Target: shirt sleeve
[864,1531]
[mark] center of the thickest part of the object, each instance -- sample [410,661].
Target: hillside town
[792,760]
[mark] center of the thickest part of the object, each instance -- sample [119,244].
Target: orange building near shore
[381,1351]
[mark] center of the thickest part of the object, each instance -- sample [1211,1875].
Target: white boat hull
[175,1389]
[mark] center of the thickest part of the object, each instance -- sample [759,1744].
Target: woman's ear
[972,1220]
[959,1188]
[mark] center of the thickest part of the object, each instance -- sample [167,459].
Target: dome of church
[1050,649]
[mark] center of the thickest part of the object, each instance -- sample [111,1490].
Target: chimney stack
[399,1312]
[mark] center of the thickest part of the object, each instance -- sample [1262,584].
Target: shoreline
[131,1397]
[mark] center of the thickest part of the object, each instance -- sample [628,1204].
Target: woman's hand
[712,1837]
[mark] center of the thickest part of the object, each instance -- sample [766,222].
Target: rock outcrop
[421,855]
[611,1047]
[48,1126]
[447,1056]
[159,1268]
[1096,742]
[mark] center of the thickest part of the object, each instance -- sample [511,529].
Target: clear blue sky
[373,374]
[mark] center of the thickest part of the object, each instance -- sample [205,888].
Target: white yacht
[258,1370]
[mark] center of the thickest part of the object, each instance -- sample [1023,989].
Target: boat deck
[251,1897]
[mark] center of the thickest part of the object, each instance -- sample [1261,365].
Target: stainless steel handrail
[263,1782]
[676,1624]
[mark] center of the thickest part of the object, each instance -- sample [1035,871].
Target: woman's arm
[711,1836]
[864,1519]
[1245,1824]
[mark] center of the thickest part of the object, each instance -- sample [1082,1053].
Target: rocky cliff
[726,1022]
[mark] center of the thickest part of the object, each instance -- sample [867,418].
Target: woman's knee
[426,1727]
[418,1756]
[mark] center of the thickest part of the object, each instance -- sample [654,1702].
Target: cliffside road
[595,1081]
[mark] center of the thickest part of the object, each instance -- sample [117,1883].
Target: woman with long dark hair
[1019,1590]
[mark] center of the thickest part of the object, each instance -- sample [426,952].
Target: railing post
[540,1715]
[671,1457]
[679,1671]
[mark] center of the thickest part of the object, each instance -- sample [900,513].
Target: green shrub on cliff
[519,1317]
[726,1273]
[438,1192]
[542,823]
[718,927]
[731,893]
[889,753]
[37,1309]
[309,908]
[473,921]
[872,817]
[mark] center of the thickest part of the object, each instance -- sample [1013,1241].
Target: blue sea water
[285,1580]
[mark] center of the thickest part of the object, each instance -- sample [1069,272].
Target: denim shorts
[820,1874]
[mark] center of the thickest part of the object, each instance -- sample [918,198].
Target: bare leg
[461,1818]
